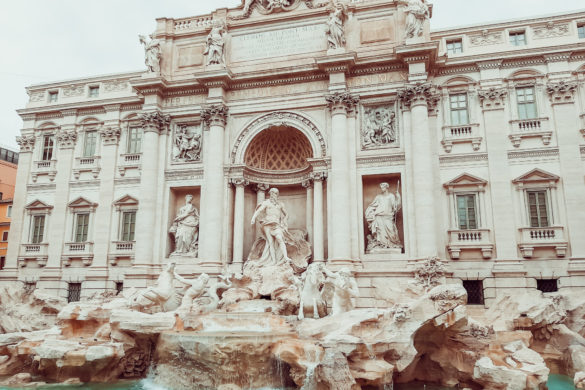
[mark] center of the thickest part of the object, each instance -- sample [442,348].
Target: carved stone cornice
[154,121]
[26,143]
[112,107]
[215,115]
[562,91]
[493,98]
[419,94]
[66,139]
[494,64]
[557,57]
[110,135]
[342,102]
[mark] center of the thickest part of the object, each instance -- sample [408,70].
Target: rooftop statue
[381,218]
[417,13]
[334,30]
[215,45]
[152,53]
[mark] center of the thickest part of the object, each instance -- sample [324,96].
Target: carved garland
[277,119]
[266,7]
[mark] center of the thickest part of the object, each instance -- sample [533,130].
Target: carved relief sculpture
[345,290]
[486,38]
[266,7]
[215,44]
[428,272]
[185,229]
[334,30]
[187,143]
[381,218]
[277,244]
[417,13]
[379,127]
[152,53]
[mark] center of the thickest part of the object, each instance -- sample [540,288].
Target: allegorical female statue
[417,13]
[185,228]
[334,31]
[381,218]
[152,53]
[214,48]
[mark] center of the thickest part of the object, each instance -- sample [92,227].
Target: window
[90,143]
[458,104]
[134,140]
[455,46]
[53,95]
[547,285]
[467,211]
[2,262]
[4,236]
[29,287]
[48,143]
[38,229]
[119,287]
[474,290]
[1,195]
[81,227]
[518,38]
[538,208]
[128,225]
[9,212]
[94,91]
[74,292]
[581,31]
[526,103]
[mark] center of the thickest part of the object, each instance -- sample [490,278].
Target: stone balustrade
[527,128]
[544,237]
[461,134]
[478,239]
[87,164]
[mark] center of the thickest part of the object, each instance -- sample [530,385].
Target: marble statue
[210,300]
[379,127]
[187,144]
[417,13]
[215,45]
[152,53]
[185,229]
[309,285]
[381,218]
[345,290]
[334,30]
[196,289]
[156,295]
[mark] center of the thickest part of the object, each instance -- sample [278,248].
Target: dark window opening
[547,285]
[74,293]
[29,287]
[119,287]
[2,262]
[474,290]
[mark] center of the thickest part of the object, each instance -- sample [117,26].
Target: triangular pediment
[536,175]
[38,205]
[126,200]
[466,179]
[81,202]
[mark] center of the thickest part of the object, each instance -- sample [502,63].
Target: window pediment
[126,202]
[38,207]
[465,182]
[82,203]
[537,177]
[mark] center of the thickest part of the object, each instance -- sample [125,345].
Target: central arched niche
[279,148]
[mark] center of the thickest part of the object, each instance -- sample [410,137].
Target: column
[261,189]
[420,98]
[497,142]
[340,227]
[153,124]
[318,249]
[355,216]
[238,245]
[566,125]
[213,189]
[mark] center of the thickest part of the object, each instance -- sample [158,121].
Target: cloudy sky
[50,40]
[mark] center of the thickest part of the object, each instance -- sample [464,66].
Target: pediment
[466,180]
[82,202]
[536,176]
[126,200]
[38,205]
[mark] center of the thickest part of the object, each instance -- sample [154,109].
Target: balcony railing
[44,167]
[121,249]
[87,164]
[35,252]
[461,134]
[78,250]
[129,161]
[526,128]
[544,237]
[470,239]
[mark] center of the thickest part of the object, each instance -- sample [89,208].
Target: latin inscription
[183,100]
[278,90]
[278,43]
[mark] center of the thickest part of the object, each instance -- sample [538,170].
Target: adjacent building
[478,132]
[8,165]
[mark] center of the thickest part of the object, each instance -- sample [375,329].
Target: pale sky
[50,40]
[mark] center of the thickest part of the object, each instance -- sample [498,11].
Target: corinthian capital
[110,135]
[342,102]
[493,98]
[419,94]
[26,143]
[562,91]
[66,139]
[154,121]
[215,114]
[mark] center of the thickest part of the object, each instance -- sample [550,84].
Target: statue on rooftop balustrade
[152,53]
[417,13]
[215,44]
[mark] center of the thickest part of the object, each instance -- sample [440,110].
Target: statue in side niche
[215,45]
[417,13]
[381,218]
[185,229]
[334,30]
[152,53]
[345,290]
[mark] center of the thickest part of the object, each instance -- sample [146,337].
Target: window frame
[482,289]
[81,231]
[131,224]
[466,184]
[458,109]
[37,234]
[47,151]
[451,47]
[581,31]
[513,35]
[541,221]
[134,144]
[74,294]
[538,180]
[524,104]
[91,89]
[475,196]
[52,96]
[125,204]
[95,136]
[5,236]
[9,211]
[81,206]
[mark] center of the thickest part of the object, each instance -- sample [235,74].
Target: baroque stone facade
[476,134]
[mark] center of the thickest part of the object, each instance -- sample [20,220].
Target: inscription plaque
[278,43]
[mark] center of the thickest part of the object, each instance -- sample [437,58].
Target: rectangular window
[90,143]
[581,31]
[467,211]
[74,292]
[38,229]
[538,208]
[526,103]
[474,290]
[128,225]
[2,262]
[9,212]
[48,144]
[1,195]
[119,287]
[134,140]
[458,104]
[518,38]
[81,227]
[455,46]
[53,95]
[94,91]
[4,236]
[547,285]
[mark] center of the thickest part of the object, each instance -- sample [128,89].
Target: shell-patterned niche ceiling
[279,148]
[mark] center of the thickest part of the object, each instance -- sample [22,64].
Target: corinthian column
[153,124]
[318,252]
[340,227]
[419,98]
[238,245]
[213,191]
